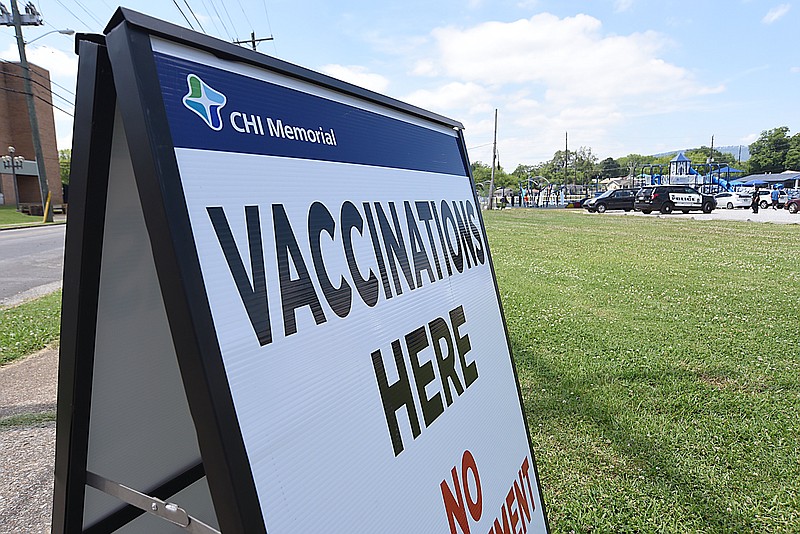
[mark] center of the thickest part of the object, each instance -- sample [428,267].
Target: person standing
[774,195]
[754,201]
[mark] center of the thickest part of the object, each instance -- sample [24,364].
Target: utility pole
[253,41]
[31,18]
[566,155]
[711,156]
[494,159]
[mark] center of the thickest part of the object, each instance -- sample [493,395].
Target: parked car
[766,199]
[667,198]
[613,199]
[576,203]
[793,205]
[731,200]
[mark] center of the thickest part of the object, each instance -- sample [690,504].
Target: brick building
[15,130]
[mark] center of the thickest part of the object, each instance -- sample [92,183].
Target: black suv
[666,198]
[613,199]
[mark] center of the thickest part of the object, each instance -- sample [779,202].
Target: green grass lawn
[29,327]
[10,216]
[659,363]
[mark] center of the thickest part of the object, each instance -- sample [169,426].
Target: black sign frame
[117,72]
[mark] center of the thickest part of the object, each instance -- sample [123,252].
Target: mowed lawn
[659,362]
[9,216]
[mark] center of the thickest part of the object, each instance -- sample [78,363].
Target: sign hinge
[152,505]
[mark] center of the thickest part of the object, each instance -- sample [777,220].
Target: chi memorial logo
[205,101]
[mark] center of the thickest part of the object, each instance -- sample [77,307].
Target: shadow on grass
[689,492]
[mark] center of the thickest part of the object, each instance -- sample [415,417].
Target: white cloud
[358,75]
[470,96]
[58,63]
[622,5]
[748,139]
[795,70]
[424,67]
[776,13]
[570,58]
[548,75]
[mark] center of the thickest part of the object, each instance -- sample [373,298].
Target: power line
[80,5]
[40,98]
[269,26]
[182,13]
[41,76]
[233,26]
[222,21]
[67,100]
[213,21]
[87,26]
[195,16]
[245,15]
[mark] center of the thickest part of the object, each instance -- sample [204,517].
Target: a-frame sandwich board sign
[280,311]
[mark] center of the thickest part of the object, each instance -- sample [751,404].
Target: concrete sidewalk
[28,387]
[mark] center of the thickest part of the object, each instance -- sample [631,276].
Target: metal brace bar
[152,505]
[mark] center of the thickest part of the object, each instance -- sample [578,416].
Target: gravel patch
[27,450]
[26,478]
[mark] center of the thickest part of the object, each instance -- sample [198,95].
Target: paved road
[31,262]
[744,215]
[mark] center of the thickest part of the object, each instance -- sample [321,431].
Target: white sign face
[353,300]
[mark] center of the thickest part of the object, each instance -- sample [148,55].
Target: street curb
[31,225]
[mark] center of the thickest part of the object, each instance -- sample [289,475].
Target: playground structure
[536,192]
[707,178]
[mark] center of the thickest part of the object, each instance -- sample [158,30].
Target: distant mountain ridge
[733,149]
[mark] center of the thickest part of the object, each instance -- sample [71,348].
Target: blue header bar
[214,109]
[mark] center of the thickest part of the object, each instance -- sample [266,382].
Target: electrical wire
[245,15]
[182,13]
[40,98]
[91,15]
[269,26]
[76,17]
[213,21]
[221,20]
[67,100]
[40,75]
[195,16]
[233,26]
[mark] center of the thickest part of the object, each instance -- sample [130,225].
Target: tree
[768,152]
[701,155]
[481,172]
[523,172]
[610,168]
[634,162]
[792,161]
[64,161]
[583,164]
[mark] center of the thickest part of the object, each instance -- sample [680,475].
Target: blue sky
[620,76]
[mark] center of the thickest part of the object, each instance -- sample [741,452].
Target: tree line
[773,152]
